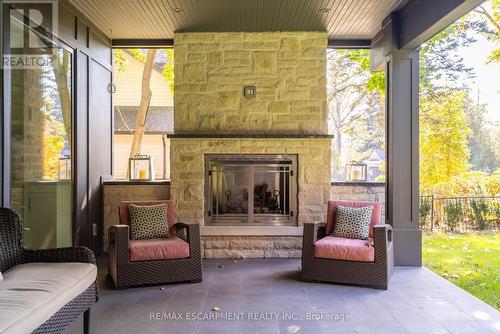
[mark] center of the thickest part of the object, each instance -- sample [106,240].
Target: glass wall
[356,116]
[129,73]
[41,143]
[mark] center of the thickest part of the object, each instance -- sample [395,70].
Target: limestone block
[195,73]
[289,44]
[197,57]
[264,61]
[259,45]
[228,100]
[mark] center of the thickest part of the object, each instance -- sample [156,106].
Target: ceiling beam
[142,43]
[349,43]
[420,20]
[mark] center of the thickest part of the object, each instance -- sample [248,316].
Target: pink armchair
[154,261]
[350,261]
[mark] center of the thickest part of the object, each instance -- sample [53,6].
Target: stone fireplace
[250,171]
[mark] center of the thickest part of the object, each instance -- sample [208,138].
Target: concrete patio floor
[272,295]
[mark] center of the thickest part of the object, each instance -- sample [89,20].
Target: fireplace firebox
[251,190]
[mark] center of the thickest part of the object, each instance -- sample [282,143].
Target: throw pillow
[353,223]
[148,221]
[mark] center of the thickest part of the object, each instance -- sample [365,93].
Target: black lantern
[356,171]
[141,168]
[65,167]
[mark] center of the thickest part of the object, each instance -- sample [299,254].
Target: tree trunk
[61,71]
[140,120]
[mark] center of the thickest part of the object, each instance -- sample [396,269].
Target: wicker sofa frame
[126,273]
[375,274]
[12,253]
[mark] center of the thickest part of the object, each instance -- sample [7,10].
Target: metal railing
[459,214]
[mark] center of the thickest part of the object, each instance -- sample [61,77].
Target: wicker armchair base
[126,273]
[374,274]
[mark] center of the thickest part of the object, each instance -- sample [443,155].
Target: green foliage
[485,20]
[168,68]
[453,213]
[376,81]
[440,65]
[480,211]
[482,141]
[444,133]
[138,54]
[424,210]
[470,261]
[119,60]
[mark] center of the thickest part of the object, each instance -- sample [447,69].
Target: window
[133,69]
[355,116]
[40,144]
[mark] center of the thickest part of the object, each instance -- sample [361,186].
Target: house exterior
[375,164]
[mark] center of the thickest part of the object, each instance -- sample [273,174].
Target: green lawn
[471,261]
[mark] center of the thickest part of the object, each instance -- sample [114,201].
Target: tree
[148,59]
[444,133]
[140,121]
[440,66]
[482,141]
[350,101]
[485,19]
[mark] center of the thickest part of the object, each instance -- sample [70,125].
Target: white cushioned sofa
[42,291]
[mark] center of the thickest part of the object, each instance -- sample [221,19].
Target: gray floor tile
[417,301]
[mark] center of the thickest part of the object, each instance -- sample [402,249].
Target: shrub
[453,213]
[480,213]
[424,210]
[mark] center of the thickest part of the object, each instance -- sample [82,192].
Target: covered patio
[250,89]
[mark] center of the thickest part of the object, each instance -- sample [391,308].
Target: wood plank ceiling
[158,19]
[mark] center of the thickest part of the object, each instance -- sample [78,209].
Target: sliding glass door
[41,187]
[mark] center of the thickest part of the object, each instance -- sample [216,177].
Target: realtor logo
[28,30]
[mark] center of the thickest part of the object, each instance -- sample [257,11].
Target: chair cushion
[33,292]
[352,223]
[332,208]
[344,249]
[148,221]
[158,249]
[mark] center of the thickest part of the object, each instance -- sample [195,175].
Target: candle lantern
[356,171]
[65,167]
[141,168]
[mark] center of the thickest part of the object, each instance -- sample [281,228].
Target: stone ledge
[249,135]
[135,183]
[358,183]
[251,231]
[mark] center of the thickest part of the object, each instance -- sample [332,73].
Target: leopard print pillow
[353,223]
[148,221]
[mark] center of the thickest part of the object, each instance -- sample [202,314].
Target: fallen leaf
[162,288]
[454,276]
[235,260]
[220,266]
[216,309]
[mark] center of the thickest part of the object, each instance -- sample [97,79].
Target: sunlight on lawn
[471,261]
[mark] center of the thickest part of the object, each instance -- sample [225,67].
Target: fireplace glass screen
[251,190]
